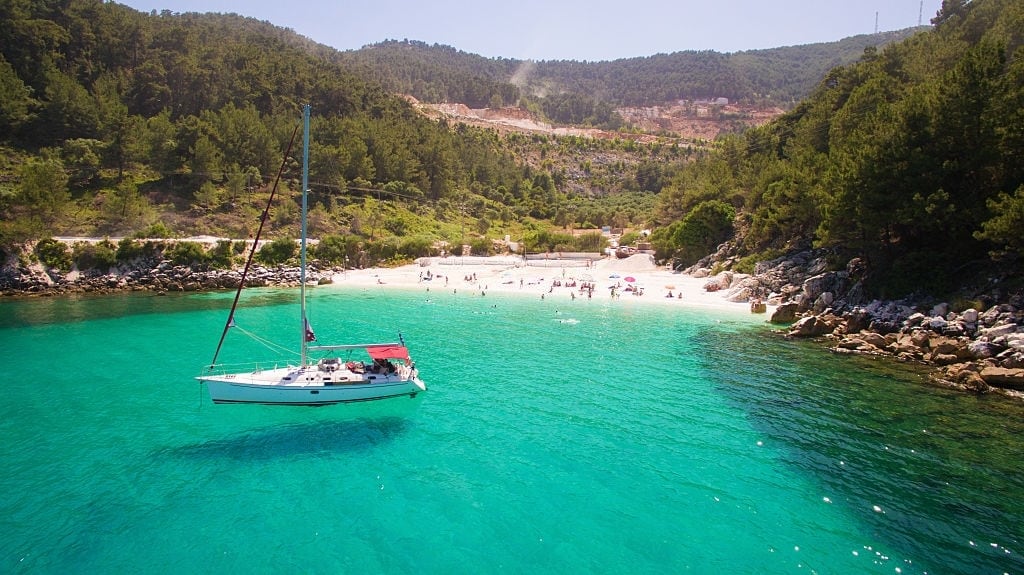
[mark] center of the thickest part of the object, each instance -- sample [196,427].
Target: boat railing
[251,367]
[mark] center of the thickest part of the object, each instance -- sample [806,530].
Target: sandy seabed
[538,279]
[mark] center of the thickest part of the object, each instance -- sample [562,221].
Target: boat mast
[304,328]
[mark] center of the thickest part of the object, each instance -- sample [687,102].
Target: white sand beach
[548,279]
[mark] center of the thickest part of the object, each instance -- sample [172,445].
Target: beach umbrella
[630,279]
[614,276]
[670,286]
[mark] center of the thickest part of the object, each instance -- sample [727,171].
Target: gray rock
[915,320]
[983,349]
[998,331]
[857,321]
[936,324]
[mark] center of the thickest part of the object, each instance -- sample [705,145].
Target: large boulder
[857,320]
[970,315]
[813,287]
[936,323]
[962,376]
[1000,330]
[915,320]
[874,339]
[823,302]
[920,338]
[1011,359]
[813,326]
[785,313]
[806,327]
[983,349]
[1003,377]
[739,295]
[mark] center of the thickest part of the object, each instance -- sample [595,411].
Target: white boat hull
[391,372]
[309,386]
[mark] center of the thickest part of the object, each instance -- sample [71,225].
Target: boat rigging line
[255,244]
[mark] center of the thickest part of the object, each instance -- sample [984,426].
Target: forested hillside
[115,122]
[118,122]
[911,159]
[587,92]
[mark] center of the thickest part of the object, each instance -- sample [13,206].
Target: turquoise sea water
[557,437]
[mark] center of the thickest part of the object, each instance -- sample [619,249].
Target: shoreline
[973,351]
[558,279]
[559,283]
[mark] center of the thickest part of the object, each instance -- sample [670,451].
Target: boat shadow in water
[297,440]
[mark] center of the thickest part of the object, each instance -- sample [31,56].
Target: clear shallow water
[557,436]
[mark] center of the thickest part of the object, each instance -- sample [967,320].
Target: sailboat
[380,371]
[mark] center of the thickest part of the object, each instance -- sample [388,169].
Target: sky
[583,30]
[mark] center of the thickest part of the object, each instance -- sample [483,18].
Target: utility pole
[920,13]
[876,22]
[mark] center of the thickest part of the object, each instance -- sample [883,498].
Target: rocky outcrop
[161,276]
[971,350]
[978,350]
[784,313]
[1004,377]
[802,278]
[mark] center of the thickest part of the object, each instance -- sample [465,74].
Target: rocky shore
[978,349]
[972,349]
[157,276]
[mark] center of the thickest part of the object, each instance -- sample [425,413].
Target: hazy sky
[591,30]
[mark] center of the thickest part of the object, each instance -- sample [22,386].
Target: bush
[629,238]
[128,249]
[418,247]
[481,247]
[383,250]
[100,256]
[332,249]
[547,241]
[396,224]
[591,242]
[186,253]
[157,230]
[706,226]
[221,254]
[53,254]
[277,252]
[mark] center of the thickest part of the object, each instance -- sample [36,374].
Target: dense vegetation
[912,159]
[115,122]
[573,92]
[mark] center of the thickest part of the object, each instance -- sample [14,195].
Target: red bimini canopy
[389,352]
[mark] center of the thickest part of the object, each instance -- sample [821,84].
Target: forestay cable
[252,252]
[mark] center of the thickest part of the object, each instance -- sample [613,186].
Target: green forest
[572,92]
[117,122]
[912,160]
[906,155]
